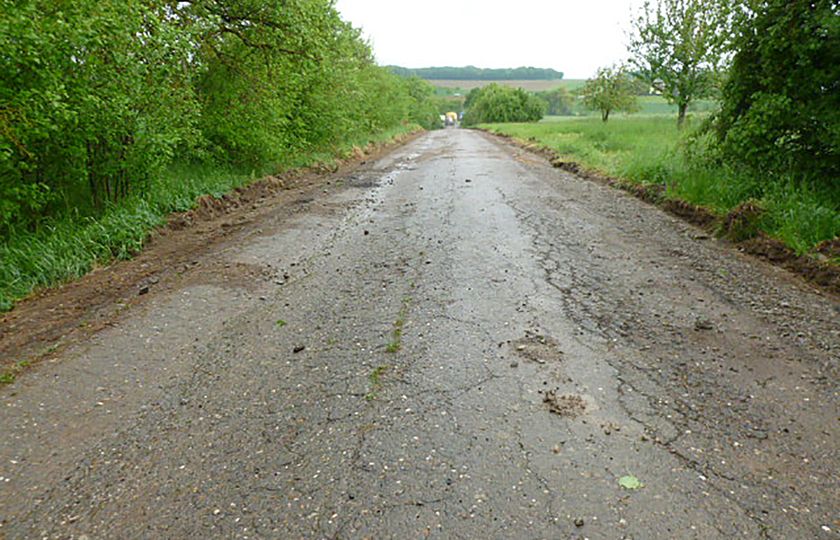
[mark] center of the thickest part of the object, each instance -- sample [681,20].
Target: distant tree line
[98,96]
[472,73]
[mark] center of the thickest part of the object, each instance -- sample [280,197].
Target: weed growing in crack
[375,378]
[9,375]
[395,344]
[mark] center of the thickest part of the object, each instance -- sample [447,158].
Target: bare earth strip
[555,335]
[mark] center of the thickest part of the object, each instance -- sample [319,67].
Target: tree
[495,103]
[612,89]
[780,110]
[679,46]
[98,97]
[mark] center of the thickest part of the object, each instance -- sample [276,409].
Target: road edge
[208,211]
[821,274]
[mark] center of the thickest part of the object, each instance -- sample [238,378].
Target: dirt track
[455,341]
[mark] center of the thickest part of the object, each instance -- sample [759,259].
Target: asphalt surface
[457,341]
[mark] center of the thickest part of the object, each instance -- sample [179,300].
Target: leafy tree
[780,111]
[94,98]
[423,107]
[98,96]
[678,47]
[495,103]
[612,89]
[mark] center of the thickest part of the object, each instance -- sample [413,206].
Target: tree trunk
[681,116]
[605,115]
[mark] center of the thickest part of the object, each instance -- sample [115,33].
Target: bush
[780,113]
[98,97]
[498,104]
[94,99]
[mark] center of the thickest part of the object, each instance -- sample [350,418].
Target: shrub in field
[610,90]
[780,111]
[495,103]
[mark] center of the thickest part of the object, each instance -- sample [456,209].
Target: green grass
[647,149]
[395,344]
[72,245]
[9,374]
[648,105]
[375,378]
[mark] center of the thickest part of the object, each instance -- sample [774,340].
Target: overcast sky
[572,36]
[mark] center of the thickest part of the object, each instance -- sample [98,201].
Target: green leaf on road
[281,323]
[630,482]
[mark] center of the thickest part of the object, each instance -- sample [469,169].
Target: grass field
[648,105]
[649,149]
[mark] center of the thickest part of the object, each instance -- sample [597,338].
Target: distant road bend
[453,341]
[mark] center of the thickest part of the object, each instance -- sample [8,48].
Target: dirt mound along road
[571,362]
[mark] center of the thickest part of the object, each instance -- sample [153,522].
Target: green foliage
[94,99]
[559,101]
[652,150]
[472,73]
[780,113]
[424,104]
[494,103]
[98,97]
[679,46]
[446,104]
[611,90]
[70,245]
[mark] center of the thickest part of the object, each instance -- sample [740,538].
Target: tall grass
[72,245]
[649,149]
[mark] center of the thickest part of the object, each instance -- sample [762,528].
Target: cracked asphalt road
[485,345]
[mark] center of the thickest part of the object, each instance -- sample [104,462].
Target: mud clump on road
[565,405]
[538,348]
[208,207]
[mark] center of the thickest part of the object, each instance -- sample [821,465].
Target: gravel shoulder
[455,340]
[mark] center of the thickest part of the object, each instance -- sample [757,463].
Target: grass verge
[71,246]
[647,150]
